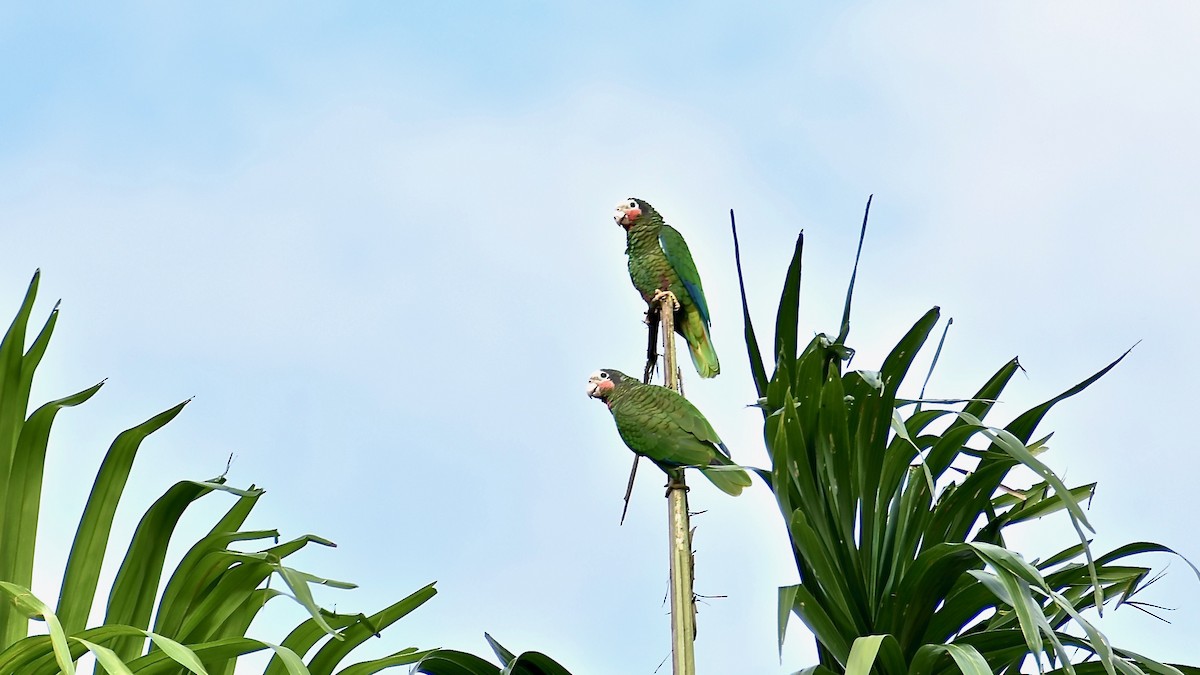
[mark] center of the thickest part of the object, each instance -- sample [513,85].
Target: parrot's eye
[633,204]
[604,376]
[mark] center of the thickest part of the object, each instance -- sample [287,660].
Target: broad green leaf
[400,658]
[1018,577]
[823,628]
[787,318]
[787,600]
[106,658]
[506,657]
[1014,447]
[901,430]
[291,661]
[816,670]
[25,602]
[450,662]
[135,588]
[234,586]
[178,653]
[868,649]
[827,577]
[309,632]
[22,501]
[1144,547]
[907,610]
[941,455]
[91,539]
[204,563]
[534,663]
[966,657]
[35,654]
[159,663]
[298,582]
[16,488]
[332,653]
[871,437]
[1023,426]
[13,382]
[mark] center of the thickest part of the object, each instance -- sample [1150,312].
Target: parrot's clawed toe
[660,294]
[675,483]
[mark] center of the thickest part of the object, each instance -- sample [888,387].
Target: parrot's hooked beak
[626,215]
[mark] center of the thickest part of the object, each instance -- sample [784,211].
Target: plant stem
[647,374]
[683,608]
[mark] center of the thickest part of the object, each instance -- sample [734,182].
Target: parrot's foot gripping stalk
[675,482]
[660,294]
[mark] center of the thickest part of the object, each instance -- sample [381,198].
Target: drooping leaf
[25,602]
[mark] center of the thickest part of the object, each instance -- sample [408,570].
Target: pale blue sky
[375,243]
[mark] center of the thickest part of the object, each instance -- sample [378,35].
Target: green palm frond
[201,618]
[896,514]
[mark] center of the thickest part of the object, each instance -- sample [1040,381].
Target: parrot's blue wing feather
[676,250]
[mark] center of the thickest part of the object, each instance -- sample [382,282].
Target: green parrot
[660,263]
[660,424]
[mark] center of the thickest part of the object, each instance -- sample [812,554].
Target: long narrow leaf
[28,604]
[400,658]
[844,332]
[869,650]
[22,502]
[788,317]
[12,405]
[757,371]
[201,565]
[330,655]
[450,662]
[16,376]
[136,585]
[91,539]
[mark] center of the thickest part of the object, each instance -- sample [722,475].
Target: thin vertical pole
[683,608]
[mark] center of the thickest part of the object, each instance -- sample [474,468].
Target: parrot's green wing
[665,427]
[692,421]
[657,435]
[676,250]
[688,417]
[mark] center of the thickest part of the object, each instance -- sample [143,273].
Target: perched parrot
[660,424]
[660,263]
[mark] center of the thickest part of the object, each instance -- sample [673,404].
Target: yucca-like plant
[199,622]
[896,512]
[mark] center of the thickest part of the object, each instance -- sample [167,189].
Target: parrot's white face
[627,212]
[599,384]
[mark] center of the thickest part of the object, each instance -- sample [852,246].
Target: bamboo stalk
[683,607]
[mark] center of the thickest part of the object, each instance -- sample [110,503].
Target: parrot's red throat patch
[628,217]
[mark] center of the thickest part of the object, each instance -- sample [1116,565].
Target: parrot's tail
[695,331]
[731,481]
